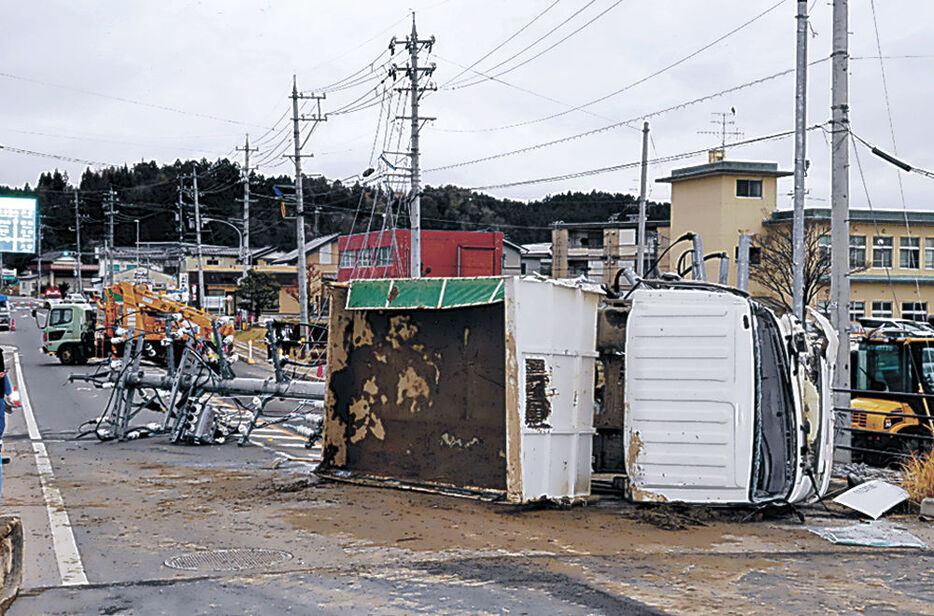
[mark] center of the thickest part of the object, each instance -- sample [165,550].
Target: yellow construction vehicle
[895,419]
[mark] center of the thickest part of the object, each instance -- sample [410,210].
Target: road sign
[17,224]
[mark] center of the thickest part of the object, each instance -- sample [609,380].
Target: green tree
[259,290]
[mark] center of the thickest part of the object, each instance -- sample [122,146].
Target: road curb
[11,560]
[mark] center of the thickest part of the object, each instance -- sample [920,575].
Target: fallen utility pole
[801,86]
[839,213]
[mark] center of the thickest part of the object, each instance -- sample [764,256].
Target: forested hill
[149,193]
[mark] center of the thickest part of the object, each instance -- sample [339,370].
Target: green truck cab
[68,331]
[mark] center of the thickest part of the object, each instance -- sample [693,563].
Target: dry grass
[918,476]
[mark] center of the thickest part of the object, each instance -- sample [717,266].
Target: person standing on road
[4,409]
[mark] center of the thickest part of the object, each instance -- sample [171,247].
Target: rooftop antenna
[724,120]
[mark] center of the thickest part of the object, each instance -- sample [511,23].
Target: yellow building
[721,200]
[891,252]
[891,258]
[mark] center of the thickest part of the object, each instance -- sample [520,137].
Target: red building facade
[385,254]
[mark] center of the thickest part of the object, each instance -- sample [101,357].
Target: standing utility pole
[245,254]
[414,45]
[194,190]
[78,245]
[39,251]
[839,211]
[640,251]
[801,88]
[110,237]
[301,262]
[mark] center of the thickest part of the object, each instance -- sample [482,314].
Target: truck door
[59,324]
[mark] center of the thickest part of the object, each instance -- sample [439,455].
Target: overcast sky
[234,61]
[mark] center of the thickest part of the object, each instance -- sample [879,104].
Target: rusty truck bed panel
[417,394]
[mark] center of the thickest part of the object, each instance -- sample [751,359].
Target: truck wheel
[68,355]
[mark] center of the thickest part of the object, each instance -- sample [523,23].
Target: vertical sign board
[17,224]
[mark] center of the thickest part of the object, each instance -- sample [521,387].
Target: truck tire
[68,354]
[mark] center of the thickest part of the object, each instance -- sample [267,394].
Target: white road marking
[63,539]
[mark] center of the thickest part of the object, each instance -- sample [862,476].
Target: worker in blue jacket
[5,408]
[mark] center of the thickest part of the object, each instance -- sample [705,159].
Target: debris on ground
[294,483]
[680,516]
[876,534]
[860,472]
[873,498]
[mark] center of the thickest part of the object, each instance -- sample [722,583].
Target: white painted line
[70,566]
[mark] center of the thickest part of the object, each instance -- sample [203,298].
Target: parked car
[53,293]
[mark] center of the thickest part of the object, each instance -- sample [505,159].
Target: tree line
[149,192]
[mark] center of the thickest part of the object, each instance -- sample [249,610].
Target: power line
[650,76]
[627,123]
[495,49]
[129,100]
[663,159]
[552,46]
[56,156]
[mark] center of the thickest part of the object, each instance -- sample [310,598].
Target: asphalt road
[102,518]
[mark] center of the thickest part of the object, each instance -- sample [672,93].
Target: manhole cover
[228,560]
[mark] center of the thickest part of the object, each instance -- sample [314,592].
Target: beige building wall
[897,284]
[709,206]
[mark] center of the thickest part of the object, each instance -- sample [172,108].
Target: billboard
[17,224]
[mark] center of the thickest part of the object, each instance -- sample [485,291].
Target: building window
[755,255]
[909,252]
[384,256]
[915,311]
[823,249]
[347,258]
[365,257]
[213,262]
[882,310]
[857,251]
[929,253]
[857,310]
[750,189]
[881,252]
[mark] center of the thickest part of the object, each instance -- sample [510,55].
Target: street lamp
[239,235]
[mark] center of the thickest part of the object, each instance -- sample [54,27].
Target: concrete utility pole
[137,242]
[302,266]
[78,245]
[110,237]
[839,213]
[801,89]
[194,190]
[181,233]
[245,254]
[414,45]
[39,252]
[742,263]
[301,260]
[640,250]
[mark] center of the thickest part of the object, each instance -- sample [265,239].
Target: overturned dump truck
[518,389]
[479,386]
[723,402]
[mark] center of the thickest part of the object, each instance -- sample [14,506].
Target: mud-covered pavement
[359,550]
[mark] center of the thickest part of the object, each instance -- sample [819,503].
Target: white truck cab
[724,402]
